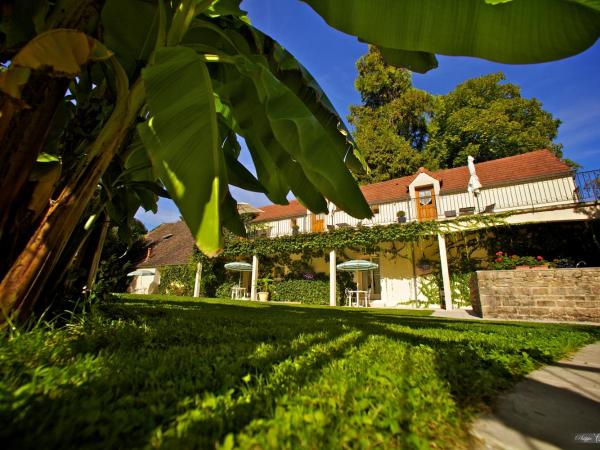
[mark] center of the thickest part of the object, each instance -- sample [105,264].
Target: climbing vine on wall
[365,239]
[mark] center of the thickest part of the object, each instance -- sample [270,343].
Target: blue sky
[569,89]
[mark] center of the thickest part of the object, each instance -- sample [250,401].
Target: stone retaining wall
[553,294]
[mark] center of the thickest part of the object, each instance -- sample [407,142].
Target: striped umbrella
[239,266]
[357,265]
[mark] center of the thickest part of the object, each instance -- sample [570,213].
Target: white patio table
[358,293]
[238,292]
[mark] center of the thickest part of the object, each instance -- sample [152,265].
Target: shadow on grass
[188,373]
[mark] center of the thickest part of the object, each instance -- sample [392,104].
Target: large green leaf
[264,156]
[181,136]
[130,29]
[514,32]
[237,174]
[420,62]
[236,37]
[274,166]
[257,95]
[138,167]
[284,116]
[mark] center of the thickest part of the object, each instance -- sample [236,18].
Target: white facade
[534,194]
[400,277]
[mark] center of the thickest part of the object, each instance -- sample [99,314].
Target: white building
[528,188]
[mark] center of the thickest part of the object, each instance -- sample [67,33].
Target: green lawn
[204,374]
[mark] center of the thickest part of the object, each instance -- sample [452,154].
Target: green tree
[391,125]
[173,82]
[488,119]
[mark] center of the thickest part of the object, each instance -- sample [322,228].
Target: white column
[332,278]
[198,279]
[254,277]
[445,272]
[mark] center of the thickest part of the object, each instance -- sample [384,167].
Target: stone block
[535,291]
[545,303]
[586,304]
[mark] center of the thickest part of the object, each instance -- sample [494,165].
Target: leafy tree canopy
[488,119]
[391,126]
[400,128]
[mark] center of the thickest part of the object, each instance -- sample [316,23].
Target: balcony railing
[579,187]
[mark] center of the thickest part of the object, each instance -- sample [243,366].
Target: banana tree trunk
[91,279]
[24,129]
[21,139]
[27,278]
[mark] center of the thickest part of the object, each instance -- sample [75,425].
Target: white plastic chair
[348,296]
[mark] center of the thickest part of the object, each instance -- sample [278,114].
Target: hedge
[308,292]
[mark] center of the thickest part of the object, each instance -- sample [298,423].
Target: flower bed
[503,261]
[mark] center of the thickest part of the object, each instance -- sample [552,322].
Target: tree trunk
[27,278]
[91,278]
[24,129]
[23,139]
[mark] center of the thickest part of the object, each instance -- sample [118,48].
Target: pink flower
[498,253]
[498,259]
[539,258]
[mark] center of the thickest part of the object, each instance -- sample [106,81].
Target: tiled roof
[531,165]
[274,212]
[177,248]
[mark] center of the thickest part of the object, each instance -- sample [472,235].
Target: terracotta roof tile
[274,212]
[169,250]
[531,165]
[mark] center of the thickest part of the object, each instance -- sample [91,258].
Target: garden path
[555,407]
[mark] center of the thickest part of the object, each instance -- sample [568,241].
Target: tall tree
[488,119]
[391,125]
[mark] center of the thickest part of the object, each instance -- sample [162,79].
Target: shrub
[224,290]
[309,292]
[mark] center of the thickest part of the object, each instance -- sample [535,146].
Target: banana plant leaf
[181,137]
[290,126]
[130,30]
[505,31]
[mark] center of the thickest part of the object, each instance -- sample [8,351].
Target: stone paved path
[551,409]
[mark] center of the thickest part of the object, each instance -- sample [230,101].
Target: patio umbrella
[357,265]
[474,183]
[141,272]
[239,267]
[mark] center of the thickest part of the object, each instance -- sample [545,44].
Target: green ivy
[429,287]
[367,239]
[461,291]
[178,280]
